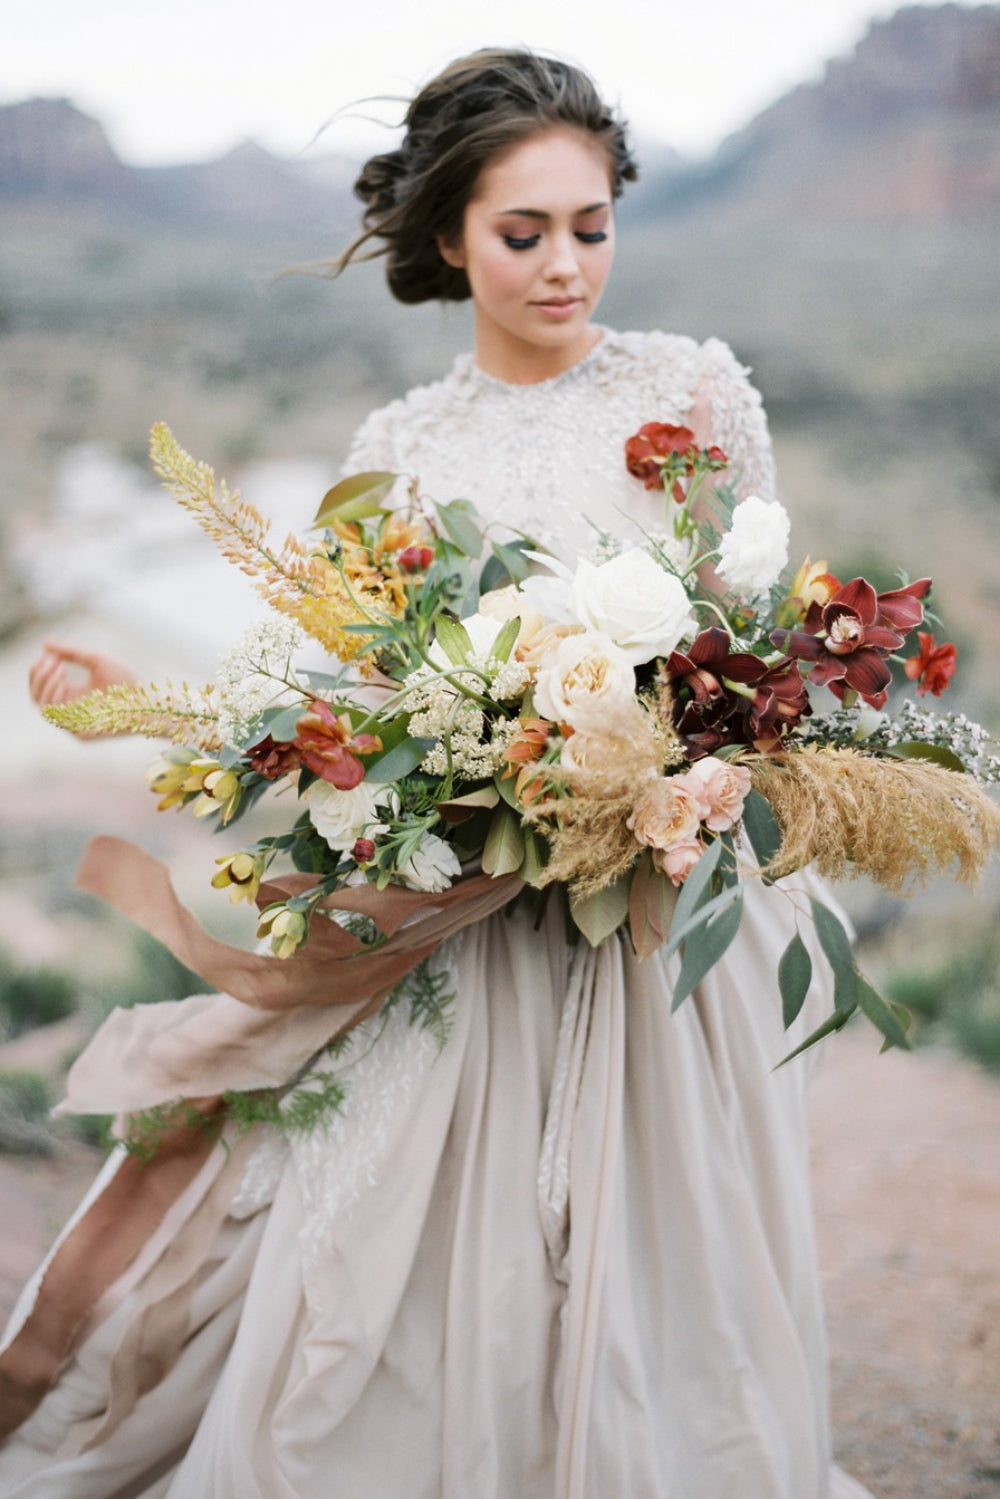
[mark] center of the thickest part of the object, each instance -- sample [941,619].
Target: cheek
[496,275]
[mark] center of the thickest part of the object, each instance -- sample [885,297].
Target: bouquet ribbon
[275,1014]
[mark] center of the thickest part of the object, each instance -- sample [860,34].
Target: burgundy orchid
[850,638]
[724,697]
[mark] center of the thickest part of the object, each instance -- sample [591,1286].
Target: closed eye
[591,237]
[518,242]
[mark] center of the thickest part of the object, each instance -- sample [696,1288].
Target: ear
[451,253]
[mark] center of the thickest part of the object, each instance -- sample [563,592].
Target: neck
[521,363]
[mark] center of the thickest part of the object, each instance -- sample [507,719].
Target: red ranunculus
[850,638]
[415,559]
[326,742]
[652,446]
[932,669]
[363,850]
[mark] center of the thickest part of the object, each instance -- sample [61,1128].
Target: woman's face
[537,244]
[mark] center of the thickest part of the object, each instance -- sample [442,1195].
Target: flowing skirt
[570,1252]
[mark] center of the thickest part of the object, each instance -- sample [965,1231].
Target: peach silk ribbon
[275,1014]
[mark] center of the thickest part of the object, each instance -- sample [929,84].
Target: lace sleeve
[372,446]
[738,424]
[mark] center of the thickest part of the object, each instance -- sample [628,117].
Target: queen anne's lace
[548,458]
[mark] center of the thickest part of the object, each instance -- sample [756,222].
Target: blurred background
[820,187]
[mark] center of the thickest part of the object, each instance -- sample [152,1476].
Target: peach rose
[667,815]
[678,862]
[587,682]
[720,788]
[509,604]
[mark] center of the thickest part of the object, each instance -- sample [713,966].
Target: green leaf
[398,761]
[454,640]
[881,1014]
[503,852]
[532,867]
[652,900]
[837,947]
[834,1022]
[703,949]
[355,497]
[920,750]
[505,786]
[457,520]
[695,889]
[506,636]
[794,978]
[706,912]
[457,809]
[761,827]
[602,913]
[280,723]
[510,556]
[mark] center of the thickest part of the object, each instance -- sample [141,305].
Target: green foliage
[954,999]
[33,997]
[26,1093]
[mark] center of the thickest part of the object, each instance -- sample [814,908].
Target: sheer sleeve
[373,446]
[738,421]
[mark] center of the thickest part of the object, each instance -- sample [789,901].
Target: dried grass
[900,822]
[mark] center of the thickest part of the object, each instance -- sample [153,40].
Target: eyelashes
[528,242]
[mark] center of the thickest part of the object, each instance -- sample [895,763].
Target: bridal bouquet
[642,728]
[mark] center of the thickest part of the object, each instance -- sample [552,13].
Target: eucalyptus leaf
[680,932]
[398,761]
[880,1013]
[836,1021]
[794,978]
[505,786]
[503,852]
[511,556]
[601,914]
[354,498]
[280,722]
[762,827]
[703,949]
[457,809]
[695,889]
[837,947]
[457,520]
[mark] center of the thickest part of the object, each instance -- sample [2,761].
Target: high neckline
[466,367]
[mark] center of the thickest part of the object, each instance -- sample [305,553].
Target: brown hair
[478,106]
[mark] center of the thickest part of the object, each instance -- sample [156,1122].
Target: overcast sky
[182,80]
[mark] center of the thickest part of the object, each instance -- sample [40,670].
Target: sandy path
[907,1168]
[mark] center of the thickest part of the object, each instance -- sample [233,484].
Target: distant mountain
[51,152]
[907,127]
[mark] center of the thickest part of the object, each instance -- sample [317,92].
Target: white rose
[510,604]
[432,868]
[643,608]
[587,682]
[342,817]
[755,549]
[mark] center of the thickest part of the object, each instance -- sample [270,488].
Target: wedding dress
[570,1252]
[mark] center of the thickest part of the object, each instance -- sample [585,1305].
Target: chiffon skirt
[570,1252]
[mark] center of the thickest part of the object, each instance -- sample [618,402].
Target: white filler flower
[755,549]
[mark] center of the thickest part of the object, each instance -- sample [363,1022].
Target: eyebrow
[534,213]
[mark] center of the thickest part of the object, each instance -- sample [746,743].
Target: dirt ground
[907,1173]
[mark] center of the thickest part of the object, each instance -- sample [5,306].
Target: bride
[572,1253]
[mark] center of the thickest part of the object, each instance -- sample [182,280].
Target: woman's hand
[52,680]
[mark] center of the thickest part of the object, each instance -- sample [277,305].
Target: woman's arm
[51,678]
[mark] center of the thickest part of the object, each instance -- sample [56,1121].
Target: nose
[562,264]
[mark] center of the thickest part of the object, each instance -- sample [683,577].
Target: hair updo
[478,106]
